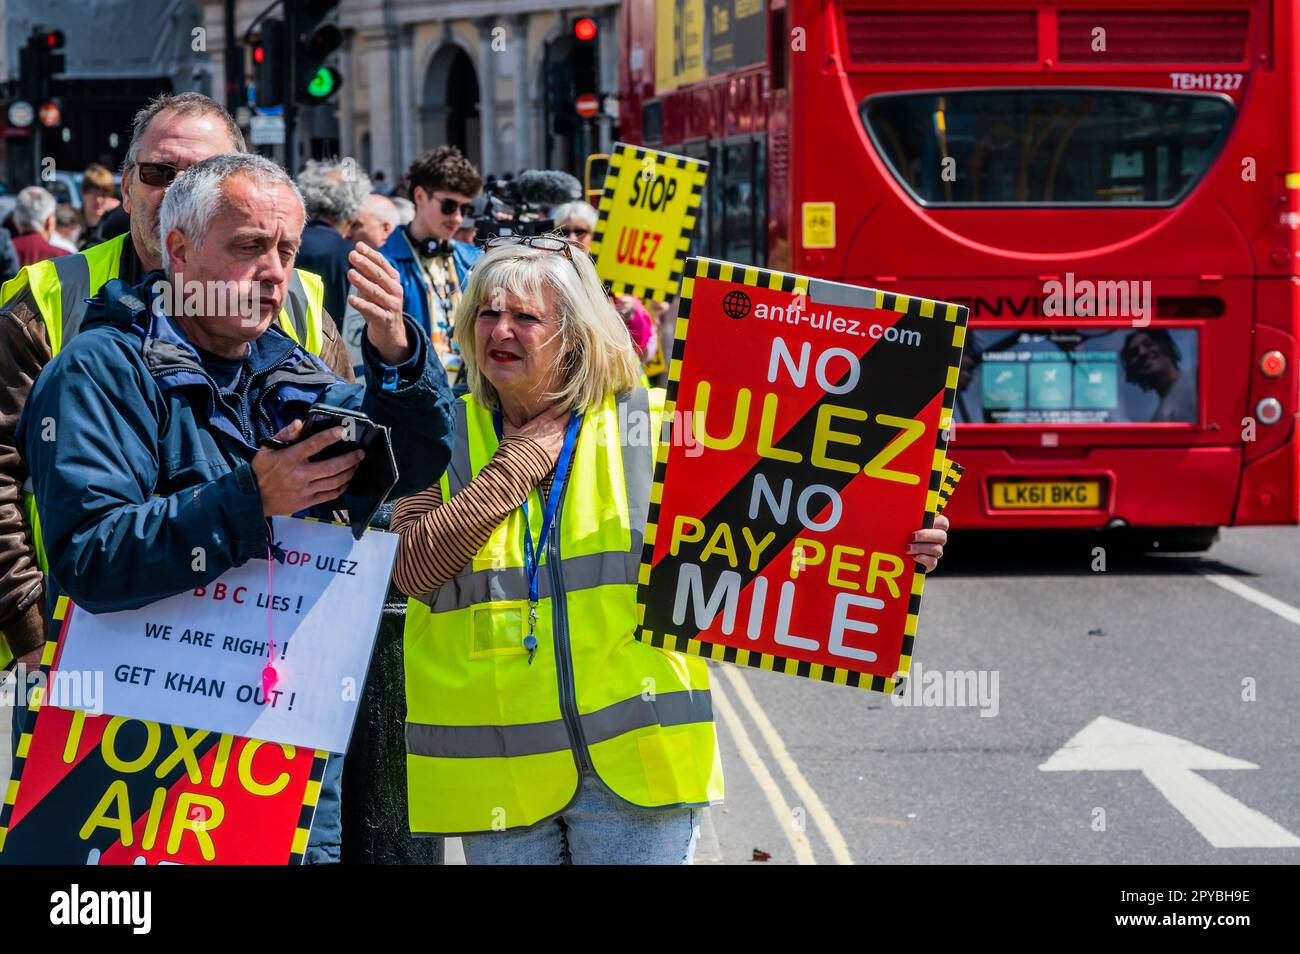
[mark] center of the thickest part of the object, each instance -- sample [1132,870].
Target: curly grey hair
[196,196]
[333,189]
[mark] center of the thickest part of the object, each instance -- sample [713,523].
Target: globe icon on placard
[736,304]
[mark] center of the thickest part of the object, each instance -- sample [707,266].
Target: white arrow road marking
[825,823]
[1170,764]
[780,808]
[1273,605]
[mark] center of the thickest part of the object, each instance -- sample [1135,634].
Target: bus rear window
[1048,147]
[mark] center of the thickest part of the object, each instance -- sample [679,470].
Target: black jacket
[325,252]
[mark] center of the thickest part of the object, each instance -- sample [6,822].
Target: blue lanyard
[532,557]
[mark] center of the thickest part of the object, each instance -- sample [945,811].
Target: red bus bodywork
[1224,255]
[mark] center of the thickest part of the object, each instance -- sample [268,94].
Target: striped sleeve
[438,539]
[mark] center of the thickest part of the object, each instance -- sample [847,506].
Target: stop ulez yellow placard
[647,215]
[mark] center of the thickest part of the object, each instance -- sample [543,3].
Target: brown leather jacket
[24,350]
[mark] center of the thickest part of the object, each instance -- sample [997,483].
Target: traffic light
[38,61]
[316,40]
[51,41]
[560,97]
[586,75]
[268,63]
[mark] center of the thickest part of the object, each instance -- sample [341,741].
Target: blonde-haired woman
[537,726]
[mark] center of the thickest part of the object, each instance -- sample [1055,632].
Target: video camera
[521,205]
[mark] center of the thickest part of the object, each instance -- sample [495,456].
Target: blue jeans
[599,828]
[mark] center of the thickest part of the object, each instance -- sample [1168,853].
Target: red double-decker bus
[1110,185]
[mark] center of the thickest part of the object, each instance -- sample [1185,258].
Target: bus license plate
[1046,495]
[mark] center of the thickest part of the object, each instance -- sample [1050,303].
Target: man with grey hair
[405,210]
[173,421]
[43,308]
[376,220]
[34,218]
[333,192]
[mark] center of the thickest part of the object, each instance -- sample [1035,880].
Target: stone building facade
[420,73]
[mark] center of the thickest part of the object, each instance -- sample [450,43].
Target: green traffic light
[323,84]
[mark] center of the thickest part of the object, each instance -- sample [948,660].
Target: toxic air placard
[197,658]
[108,790]
[805,445]
[646,217]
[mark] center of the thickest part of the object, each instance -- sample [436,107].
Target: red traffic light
[259,54]
[52,40]
[585,29]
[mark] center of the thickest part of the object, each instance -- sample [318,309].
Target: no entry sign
[805,444]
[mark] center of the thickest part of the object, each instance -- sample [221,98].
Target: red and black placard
[99,789]
[803,444]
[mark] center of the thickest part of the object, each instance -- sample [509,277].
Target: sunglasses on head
[449,206]
[547,243]
[157,173]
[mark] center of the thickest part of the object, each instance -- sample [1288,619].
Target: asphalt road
[1155,643]
[826,774]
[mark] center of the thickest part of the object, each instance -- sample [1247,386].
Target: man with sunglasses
[43,308]
[433,266]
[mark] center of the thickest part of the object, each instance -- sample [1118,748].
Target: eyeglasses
[575,232]
[547,243]
[157,173]
[449,206]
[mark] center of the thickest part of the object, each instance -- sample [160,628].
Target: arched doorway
[449,103]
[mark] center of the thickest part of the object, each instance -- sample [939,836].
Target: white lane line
[821,817]
[748,752]
[1233,585]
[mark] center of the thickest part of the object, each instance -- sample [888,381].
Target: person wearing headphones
[432,265]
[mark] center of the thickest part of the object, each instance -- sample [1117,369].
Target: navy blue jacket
[137,458]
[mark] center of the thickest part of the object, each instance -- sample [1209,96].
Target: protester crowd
[132,432]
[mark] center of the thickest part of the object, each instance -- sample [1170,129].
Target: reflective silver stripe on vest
[296,306]
[73,272]
[580,572]
[458,471]
[638,465]
[511,583]
[684,707]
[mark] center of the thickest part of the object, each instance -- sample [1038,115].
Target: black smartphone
[377,474]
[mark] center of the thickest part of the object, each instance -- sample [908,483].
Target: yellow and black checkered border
[310,797]
[951,477]
[307,814]
[956,315]
[48,652]
[636,154]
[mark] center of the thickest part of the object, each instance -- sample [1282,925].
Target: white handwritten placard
[197,659]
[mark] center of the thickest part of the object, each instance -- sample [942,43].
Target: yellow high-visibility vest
[60,287]
[495,742]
